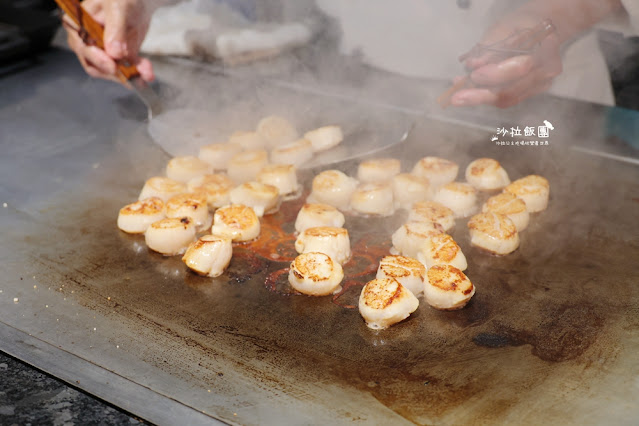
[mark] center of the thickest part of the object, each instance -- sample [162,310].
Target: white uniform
[424,39]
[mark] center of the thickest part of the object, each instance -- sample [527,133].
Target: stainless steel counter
[551,335]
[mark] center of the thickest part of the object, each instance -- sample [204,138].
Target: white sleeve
[632,8]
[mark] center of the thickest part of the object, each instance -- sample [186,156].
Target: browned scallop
[384,302]
[238,222]
[533,189]
[433,212]
[486,174]
[447,288]
[438,171]
[135,218]
[332,241]
[511,206]
[315,274]
[407,271]
[493,232]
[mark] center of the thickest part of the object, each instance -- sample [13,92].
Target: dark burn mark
[566,333]
[491,340]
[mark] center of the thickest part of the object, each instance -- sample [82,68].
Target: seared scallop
[217,188]
[384,302]
[373,199]
[325,137]
[248,140]
[276,131]
[442,249]
[434,212]
[461,198]
[378,170]
[533,189]
[161,187]
[193,205]
[245,166]
[410,237]
[296,153]
[315,274]
[486,174]
[409,189]
[437,170]
[314,215]
[217,155]
[493,232]
[511,206]
[183,169]
[329,240]
[170,236]
[134,218]
[333,187]
[407,271]
[263,198]
[283,177]
[210,255]
[447,288]
[238,222]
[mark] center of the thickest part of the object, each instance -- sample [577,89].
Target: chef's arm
[515,79]
[125,25]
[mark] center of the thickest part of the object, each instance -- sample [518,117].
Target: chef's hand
[515,79]
[125,25]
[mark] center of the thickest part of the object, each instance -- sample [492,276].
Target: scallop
[283,177]
[460,197]
[263,198]
[183,169]
[162,188]
[373,199]
[409,238]
[333,187]
[210,255]
[315,274]
[237,222]
[295,153]
[170,236]
[193,205]
[217,188]
[217,155]
[442,249]
[434,212]
[447,288]
[493,232]
[315,215]
[384,302]
[407,271]
[438,171]
[332,241]
[511,206]
[378,170]
[409,189]
[248,140]
[245,166]
[486,174]
[276,131]
[533,189]
[136,217]
[325,137]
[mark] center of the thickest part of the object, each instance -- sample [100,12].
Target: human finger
[145,68]
[94,60]
[504,72]
[115,30]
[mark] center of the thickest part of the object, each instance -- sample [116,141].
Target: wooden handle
[95,33]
